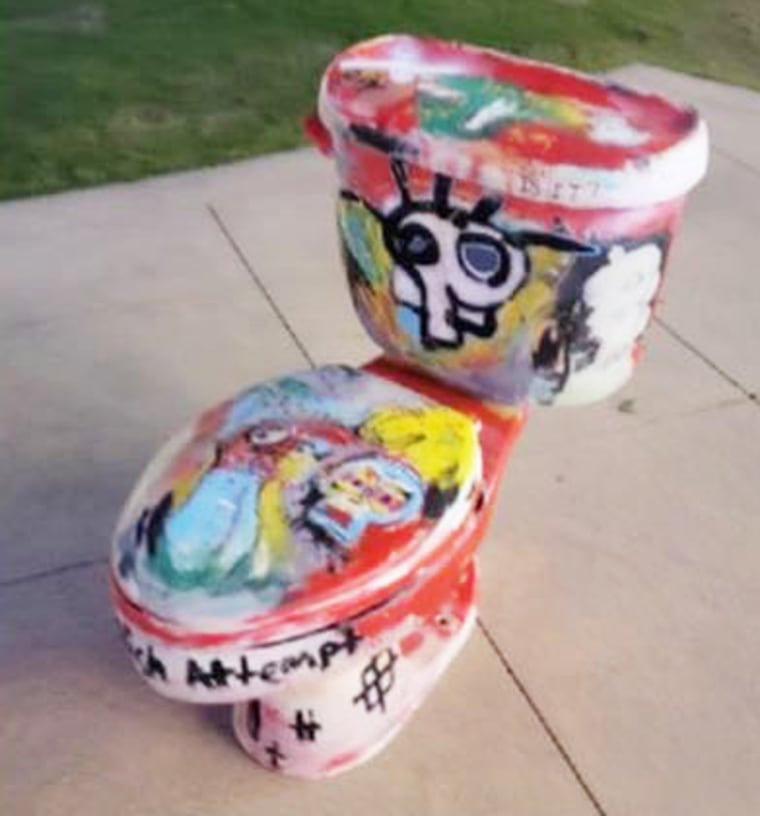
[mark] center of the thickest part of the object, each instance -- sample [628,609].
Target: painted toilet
[305,550]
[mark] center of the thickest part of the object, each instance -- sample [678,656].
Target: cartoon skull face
[455,278]
[452,267]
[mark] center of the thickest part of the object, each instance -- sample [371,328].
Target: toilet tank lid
[512,125]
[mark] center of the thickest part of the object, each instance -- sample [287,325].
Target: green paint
[461,98]
[362,233]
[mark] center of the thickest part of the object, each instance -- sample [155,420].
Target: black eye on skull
[415,244]
[483,258]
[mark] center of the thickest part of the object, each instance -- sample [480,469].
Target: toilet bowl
[304,551]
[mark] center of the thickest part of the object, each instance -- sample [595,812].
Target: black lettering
[245,675]
[153,666]
[195,674]
[267,672]
[352,639]
[275,755]
[296,661]
[330,648]
[219,673]
[327,651]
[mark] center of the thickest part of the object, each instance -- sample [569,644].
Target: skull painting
[453,267]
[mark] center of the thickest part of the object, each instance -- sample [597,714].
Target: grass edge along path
[94,91]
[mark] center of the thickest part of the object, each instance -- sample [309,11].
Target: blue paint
[409,322]
[207,537]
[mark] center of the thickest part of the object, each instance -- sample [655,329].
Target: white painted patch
[620,297]
[496,111]
[609,128]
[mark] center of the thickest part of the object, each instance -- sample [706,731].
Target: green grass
[102,90]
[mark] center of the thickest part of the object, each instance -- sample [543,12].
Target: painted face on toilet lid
[315,485]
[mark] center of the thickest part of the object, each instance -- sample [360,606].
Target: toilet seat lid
[297,504]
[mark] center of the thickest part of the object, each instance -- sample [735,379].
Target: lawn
[102,90]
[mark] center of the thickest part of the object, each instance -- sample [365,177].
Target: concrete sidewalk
[616,668]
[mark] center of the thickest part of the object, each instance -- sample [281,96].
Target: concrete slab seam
[542,720]
[259,284]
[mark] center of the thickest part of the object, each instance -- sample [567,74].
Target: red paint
[318,134]
[419,590]
[340,760]
[390,106]
[411,642]
[367,173]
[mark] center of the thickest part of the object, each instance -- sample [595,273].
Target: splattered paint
[511,125]
[305,551]
[506,310]
[492,210]
[294,488]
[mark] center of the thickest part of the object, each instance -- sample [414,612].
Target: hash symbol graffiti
[306,729]
[275,755]
[378,678]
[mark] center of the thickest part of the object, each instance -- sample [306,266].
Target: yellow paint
[536,301]
[440,443]
[367,245]
[570,113]
[274,537]
[365,488]
[528,312]
[294,466]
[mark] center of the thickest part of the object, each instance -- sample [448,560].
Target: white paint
[620,296]
[495,111]
[405,290]
[472,298]
[609,128]
[662,176]
[347,727]
[353,723]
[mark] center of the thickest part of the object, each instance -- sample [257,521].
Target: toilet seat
[330,499]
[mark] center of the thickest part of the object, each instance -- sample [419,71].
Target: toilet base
[328,725]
